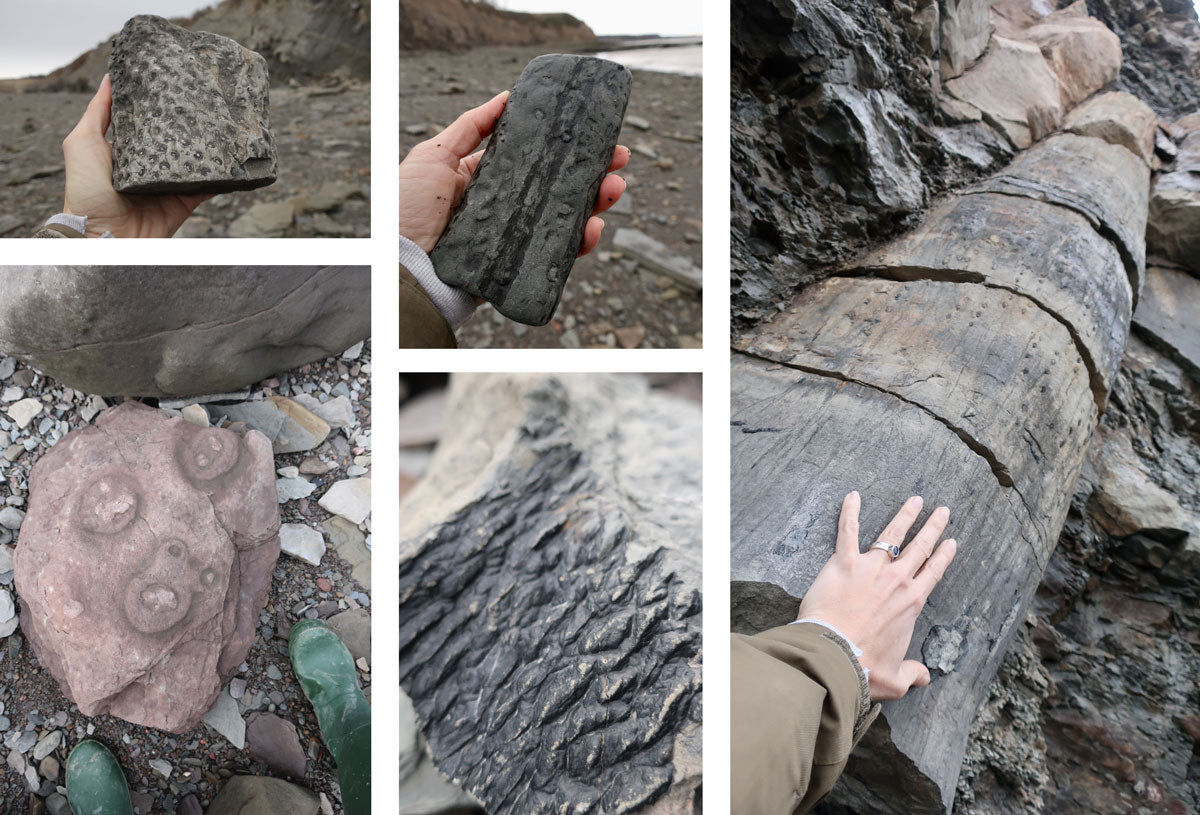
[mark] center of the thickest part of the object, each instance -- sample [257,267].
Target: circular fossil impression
[107,505]
[208,453]
[159,598]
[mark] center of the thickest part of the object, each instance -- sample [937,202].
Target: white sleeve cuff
[454,304]
[76,222]
[853,648]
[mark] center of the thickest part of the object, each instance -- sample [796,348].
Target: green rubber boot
[329,680]
[95,783]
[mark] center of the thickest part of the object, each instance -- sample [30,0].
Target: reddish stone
[146,555]
[323,584]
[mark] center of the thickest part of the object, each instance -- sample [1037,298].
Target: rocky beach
[617,295]
[262,725]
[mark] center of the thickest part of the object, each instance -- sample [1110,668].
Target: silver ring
[891,548]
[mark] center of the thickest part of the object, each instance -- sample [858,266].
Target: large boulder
[965,30]
[1173,230]
[1084,54]
[550,619]
[1117,118]
[144,560]
[179,330]
[1169,314]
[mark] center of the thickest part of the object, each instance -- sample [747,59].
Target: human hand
[875,600]
[89,189]
[434,175]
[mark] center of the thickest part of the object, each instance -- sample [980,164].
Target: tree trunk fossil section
[144,560]
[1106,183]
[988,364]
[1065,266]
[190,112]
[550,617]
[179,330]
[518,229]
[800,442]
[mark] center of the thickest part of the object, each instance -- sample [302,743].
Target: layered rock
[179,330]
[190,112]
[549,595]
[459,24]
[144,560]
[968,363]
[1174,228]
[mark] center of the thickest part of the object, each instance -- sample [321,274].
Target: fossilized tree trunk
[550,596]
[968,363]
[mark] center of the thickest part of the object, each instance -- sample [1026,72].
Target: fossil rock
[190,112]
[518,229]
[179,330]
[144,560]
[549,585]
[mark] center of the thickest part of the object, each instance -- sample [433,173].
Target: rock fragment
[1084,54]
[275,742]
[518,229]
[658,258]
[302,542]
[349,498]
[253,795]
[1117,118]
[190,112]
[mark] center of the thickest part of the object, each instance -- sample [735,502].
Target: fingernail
[854,493]
[918,499]
[943,510]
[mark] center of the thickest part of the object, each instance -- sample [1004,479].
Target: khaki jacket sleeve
[800,703]
[421,324]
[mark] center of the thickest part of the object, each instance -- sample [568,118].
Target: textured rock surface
[252,795]
[1173,230]
[1084,54]
[965,30]
[179,330]
[549,595]
[518,229]
[1170,313]
[144,561]
[190,112]
[1117,118]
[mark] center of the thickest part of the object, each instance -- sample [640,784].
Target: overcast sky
[669,17]
[40,35]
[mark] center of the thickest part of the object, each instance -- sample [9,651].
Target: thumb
[913,674]
[470,129]
[95,120]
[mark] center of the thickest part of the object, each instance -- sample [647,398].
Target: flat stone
[1170,314]
[557,136]
[275,742]
[1117,118]
[190,112]
[351,547]
[301,430]
[350,498]
[254,795]
[7,609]
[1126,501]
[225,718]
[11,518]
[24,411]
[1015,88]
[658,258]
[262,416]
[47,744]
[147,630]
[182,331]
[338,412]
[302,542]
[6,559]
[267,219]
[195,414]
[353,628]
[291,489]
[1173,228]
[1084,54]
[161,766]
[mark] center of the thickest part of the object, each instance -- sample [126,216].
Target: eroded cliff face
[1093,706]
[456,24]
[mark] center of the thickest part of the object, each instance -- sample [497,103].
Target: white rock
[290,489]
[93,406]
[302,542]
[337,412]
[7,609]
[350,499]
[161,766]
[288,472]
[354,351]
[355,470]
[226,720]
[47,745]
[23,412]
[6,559]
[11,394]
[11,518]
[10,625]
[196,415]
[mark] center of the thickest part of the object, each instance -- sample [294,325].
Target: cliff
[458,24]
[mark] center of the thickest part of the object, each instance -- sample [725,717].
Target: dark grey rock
[550,613]
[518,229]
[190,112]
[179,330]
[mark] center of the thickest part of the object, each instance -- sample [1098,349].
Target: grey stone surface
[190,112]
[518,229]
[550,613]
[179,330]
[252,795]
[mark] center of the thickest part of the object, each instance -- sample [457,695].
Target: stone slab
[1173,229]
[965,29]
[1105,183]
[144,561]
[1169,314]
[519,227]
[1117,118]
[1084,54]
[1063,264]
[658,258]
[190,112]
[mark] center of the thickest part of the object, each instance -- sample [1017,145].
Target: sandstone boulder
[1084,54]
[190,112]
[1015,89]
[965,28]
[144,560]
[1117,118]
[179,330]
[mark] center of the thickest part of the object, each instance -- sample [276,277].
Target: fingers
[913,674]
[469,164]
[611,190]
[847,537]
[591,235]
[95,120]
[898,528]
[934,568]
[469,130]
[921,546]
[620,158]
